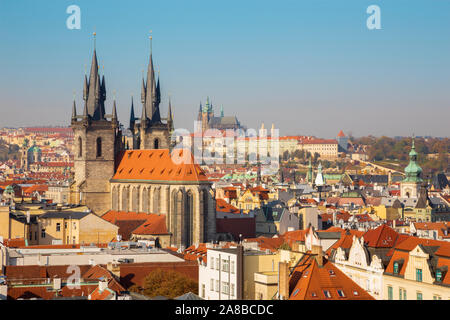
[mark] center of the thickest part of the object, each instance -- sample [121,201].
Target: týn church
[110,175]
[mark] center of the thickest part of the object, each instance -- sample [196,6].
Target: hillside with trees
[433,152]
[9,151]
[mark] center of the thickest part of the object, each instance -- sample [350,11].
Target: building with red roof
[418,270]
[140,226]
[313,277]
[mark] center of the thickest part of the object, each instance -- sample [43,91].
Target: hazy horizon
[311,68]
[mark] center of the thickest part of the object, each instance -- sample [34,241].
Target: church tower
[153,133]
[410,186]
[97,142]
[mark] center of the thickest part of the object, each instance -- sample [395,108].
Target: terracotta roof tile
[311,282]
[158,165]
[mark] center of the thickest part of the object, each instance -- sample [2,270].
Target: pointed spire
[150,86]
[74,111]
[170,116]
[169,113]
[132,117]
[85,88]
[143,116]
[114,111]
[143,89]
[158,92]
[94,91]
[85,111]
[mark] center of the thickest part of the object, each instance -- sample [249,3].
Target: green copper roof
[413,171]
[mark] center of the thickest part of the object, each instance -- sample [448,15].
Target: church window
[99,147]
[156,144]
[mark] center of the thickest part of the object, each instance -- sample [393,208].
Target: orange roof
[151,223]
[223,206]
[345,242]
[320,141]
[441,227]
[411,242]
[293,236]
[159,165]
[14,243]
[39,188]
[341,134]
[264,243]
[309,281]
[381,237]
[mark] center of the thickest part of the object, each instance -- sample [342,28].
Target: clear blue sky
[311,67]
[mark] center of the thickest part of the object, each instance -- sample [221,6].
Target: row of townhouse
[393,266]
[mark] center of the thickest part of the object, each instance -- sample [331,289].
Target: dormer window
[438,275]
[396,267]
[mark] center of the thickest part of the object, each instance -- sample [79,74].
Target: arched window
[80,147]
[99,147]
[156,144]
[396,267]
[189,218]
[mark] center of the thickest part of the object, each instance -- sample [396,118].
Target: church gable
[159,165]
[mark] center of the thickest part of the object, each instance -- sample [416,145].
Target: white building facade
[221,277]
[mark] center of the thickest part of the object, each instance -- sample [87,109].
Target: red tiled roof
[265,243]
[159,165]
[309,281]
[295,236]
[223,206]
[440,227]
[152,224]
[381,237]
[14,243]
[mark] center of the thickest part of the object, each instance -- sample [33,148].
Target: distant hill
[8,152]
[397,150]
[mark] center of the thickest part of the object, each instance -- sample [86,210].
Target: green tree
[166,283]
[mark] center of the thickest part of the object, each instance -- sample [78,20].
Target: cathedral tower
[97,142]
[410,186]
[152,132]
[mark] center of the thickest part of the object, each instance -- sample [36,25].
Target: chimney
[283,280]
[114,268]
[56,283]
[318,253]
[240,272]
[102,285]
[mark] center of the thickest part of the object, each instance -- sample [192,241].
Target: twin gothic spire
[94,92]
[150,96]
[94,96]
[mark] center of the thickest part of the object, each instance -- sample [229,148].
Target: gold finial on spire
[85,69]
[73,92]
[95,38]
[114,94]
[151,40]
